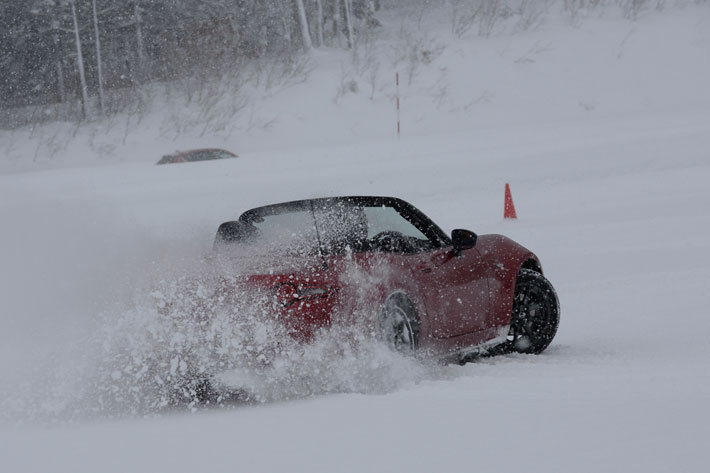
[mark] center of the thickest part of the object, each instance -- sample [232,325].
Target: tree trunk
[319,22]
[98,58]
[60,71]
[303,20]
[139,41]
[80,63]
[349,22]
[60,82]
[336,22]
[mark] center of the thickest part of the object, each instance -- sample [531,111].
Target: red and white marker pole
[396,80]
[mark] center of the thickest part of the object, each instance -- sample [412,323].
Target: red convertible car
[448,297]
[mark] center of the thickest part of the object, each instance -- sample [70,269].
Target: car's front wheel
[536,313]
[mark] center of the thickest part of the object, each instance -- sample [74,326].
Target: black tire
[536,313]
[399,324]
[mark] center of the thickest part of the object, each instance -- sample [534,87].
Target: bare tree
[303,21]
[319,22]
[139,39]
[80,62]
[336,21]
[98,57]
[59,66]
[349,22]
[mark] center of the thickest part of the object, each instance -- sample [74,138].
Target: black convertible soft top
[235,230]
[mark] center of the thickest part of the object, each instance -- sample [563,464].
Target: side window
[285,234]
[387,219]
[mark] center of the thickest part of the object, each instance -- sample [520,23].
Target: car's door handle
[425,268]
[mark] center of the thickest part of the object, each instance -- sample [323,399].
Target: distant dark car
[192,155]
[448,296]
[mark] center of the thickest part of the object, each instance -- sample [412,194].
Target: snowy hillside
[602,128]
[559,69]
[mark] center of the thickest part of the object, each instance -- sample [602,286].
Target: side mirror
[463,239]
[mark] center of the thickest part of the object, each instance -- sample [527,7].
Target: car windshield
[336,227]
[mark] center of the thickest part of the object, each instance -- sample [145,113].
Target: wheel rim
[397,329]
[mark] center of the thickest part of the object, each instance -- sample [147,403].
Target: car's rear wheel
[399,324]
[536,313]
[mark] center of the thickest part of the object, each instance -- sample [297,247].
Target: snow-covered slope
[612,195]
[558,70]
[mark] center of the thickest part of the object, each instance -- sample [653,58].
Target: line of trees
[54,51]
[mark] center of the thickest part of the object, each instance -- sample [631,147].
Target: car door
[452,284]
[456,293]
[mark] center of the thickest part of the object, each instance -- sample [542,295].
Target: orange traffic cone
[509,209]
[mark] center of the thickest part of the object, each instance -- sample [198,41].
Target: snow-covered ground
[603,133]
